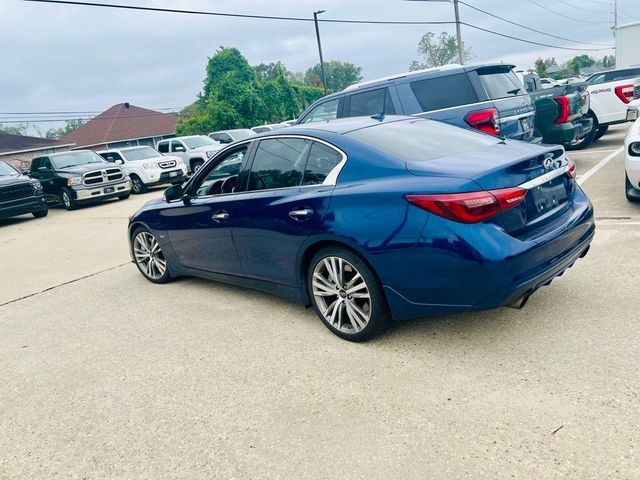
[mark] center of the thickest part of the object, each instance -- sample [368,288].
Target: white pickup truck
[193,149]
[610,92]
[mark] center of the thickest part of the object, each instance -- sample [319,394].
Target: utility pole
[458,30]
[315,20]
[458,33]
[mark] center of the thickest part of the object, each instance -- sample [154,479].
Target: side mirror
[179,149]
[174,192]
[119,162]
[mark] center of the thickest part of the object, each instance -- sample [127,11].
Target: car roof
[338,126]
[63,153]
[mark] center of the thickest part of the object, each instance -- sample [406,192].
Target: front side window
[323,112]
[224,176]
[596,79]
[279,163]
[322,160]
[111,156]
[371,103]
[444,92]
[163,147]
[177,146]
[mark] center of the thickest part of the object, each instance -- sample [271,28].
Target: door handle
[220,216]
[301,214]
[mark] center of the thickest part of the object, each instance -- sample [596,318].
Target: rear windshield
[421,140]
[500,84]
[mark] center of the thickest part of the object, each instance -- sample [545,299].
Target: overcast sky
[74,58]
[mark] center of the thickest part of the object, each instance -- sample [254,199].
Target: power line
[240,15]
[529,28]
[582,8]
[90,112]
[303,19]
[545,8]
[532,42]
[64,119]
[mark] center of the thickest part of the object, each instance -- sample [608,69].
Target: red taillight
[563,109]
[486,120]
[470,207]
[571,168]
[625,93]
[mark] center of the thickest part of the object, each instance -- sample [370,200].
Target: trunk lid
[540,170]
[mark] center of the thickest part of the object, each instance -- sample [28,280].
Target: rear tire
[601,131]
[356,313]
[124,197]
[67,199]
[41,213]
[137,185]
[585,141]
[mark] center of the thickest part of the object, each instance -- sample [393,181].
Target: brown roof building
[123,125]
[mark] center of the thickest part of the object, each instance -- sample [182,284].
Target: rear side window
[279,163]
[500,84]
[421,140]
[163,147]
[625,74]
[111,156]
[444,92]
[322,160]
[323,112]
[371,103]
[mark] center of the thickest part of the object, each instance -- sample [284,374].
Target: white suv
[146,167]
[194,149]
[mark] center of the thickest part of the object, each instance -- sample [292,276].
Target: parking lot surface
[105,375]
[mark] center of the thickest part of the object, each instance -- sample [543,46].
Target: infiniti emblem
[548,163]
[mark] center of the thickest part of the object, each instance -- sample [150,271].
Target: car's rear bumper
[23,206]
[569,132]
[478,267]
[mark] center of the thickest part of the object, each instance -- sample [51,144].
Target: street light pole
[315,21]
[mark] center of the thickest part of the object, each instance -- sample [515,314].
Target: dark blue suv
[486,97]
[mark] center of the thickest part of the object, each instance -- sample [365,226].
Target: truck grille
[102,176]
[14,192]
[167,164]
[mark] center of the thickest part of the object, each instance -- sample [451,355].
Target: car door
[200,230]
[179,149]
[284,202]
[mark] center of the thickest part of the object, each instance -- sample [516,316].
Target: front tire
[346,295]
[124,197]
[631,192]
[137,185]
[196,165]
[148,256]
[601,131]
[67,199]
[41,213]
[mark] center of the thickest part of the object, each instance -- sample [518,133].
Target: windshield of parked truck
[141,153]
[73,159]
[6,169]
[199,141]
[241,133]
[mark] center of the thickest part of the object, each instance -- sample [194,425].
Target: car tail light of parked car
[470,207]
[571,168]
[487,120]
[563,109]
[625,93]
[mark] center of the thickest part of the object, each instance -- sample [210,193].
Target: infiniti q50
[370,220]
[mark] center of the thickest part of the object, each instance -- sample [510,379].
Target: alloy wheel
[342,295]
[66,200]
[149,256]
[136,185]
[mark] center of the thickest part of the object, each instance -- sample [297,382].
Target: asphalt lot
[105,375]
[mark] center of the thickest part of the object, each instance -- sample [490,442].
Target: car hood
[207,148]
[6,180]
[89,167]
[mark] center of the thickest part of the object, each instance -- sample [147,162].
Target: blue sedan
[372,219]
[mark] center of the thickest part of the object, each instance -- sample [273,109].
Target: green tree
[339,75]
[69,126]
[439,51]
[574,65]
[18,129]
[543,64]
